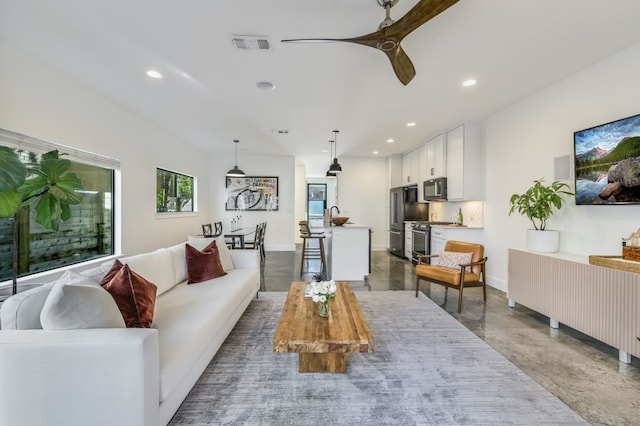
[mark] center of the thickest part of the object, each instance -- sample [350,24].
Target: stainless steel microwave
[435,189]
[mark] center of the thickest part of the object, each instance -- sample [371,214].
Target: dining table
[237,236]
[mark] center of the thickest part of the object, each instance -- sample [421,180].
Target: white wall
[522,141]
[38,101]
[280,232]
[363,195]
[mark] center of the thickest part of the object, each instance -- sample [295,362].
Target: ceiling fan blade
[402,65]
[312,40]
[418,15]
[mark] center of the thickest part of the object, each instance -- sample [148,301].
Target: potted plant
[537,204]
[46,182]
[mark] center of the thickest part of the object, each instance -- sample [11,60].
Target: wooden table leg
[334,362]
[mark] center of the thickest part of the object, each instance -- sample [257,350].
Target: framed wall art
[252,193]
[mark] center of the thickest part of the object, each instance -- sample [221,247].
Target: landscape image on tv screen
[607,163]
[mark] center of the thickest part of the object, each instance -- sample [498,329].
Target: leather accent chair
[461,276]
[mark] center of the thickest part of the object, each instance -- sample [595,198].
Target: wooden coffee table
[322,343]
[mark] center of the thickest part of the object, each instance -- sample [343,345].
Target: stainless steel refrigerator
[403,205]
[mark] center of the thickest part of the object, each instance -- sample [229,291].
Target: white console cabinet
[597,301]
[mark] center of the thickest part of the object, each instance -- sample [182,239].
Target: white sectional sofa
[121,376]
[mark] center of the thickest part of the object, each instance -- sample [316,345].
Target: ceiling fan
[390,33]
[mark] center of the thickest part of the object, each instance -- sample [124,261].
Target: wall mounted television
[607,163]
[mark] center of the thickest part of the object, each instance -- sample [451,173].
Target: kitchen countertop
[348,225]
[457,227]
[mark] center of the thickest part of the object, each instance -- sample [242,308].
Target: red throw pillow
[203,265]
[117,265]
[135,297]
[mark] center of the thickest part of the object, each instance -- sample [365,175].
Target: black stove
[426,224]
[421,237]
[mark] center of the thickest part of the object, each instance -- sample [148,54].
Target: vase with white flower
[321,293]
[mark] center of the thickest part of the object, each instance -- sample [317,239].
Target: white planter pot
[543,241]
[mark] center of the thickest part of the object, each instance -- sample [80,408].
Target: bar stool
[309,252]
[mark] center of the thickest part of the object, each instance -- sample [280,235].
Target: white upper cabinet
[435,151]
[410,168]
[465,163]
[422,170]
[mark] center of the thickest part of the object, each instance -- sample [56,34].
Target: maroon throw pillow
[135,297]
[117,265]
[203,265]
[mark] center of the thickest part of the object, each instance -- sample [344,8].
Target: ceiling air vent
[244,42]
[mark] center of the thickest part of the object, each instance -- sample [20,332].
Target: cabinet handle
[432,171]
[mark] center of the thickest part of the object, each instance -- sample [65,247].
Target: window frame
[20,141]
[194,196]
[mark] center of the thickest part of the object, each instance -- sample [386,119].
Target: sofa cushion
[203,265]
[135,297]
[179,262]
[22,311]
[225,254]
[156,267]
[452,259]
[97,273]
[192,317]
[75,301]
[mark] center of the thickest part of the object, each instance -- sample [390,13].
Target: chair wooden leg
[322,259]
[460,298]
[304,248]
[417,285]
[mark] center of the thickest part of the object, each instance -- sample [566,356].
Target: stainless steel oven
[421,236]
[421,233]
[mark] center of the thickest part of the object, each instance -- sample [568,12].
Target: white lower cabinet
[349,253]
[408,240]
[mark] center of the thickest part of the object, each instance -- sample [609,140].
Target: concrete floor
[581,371]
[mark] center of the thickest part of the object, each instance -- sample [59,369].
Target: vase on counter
[323,309]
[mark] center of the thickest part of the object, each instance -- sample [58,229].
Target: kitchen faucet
[331,211]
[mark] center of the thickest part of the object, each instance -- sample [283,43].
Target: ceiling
[208,95]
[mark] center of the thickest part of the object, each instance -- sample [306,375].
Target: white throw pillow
[76,302]
[22,311]
[225,255]
[452,259]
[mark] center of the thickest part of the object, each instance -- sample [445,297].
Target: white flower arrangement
[323,291]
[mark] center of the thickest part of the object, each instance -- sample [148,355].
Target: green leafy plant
[46,182]
[537,202]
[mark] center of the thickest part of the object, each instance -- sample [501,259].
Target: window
[174,192]
[89,232]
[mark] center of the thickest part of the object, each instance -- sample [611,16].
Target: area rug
[426,369]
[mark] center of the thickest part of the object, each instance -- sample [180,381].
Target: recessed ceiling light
[376,152]
[265,85]
[411,124]
[390,141]
[468,83]
[154,74]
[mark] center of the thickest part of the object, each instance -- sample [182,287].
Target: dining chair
[207,230]
[212,231]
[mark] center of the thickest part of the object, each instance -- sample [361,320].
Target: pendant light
[335,166]
[329,172]
[236,172]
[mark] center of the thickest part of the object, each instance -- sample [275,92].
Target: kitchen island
[348,251]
